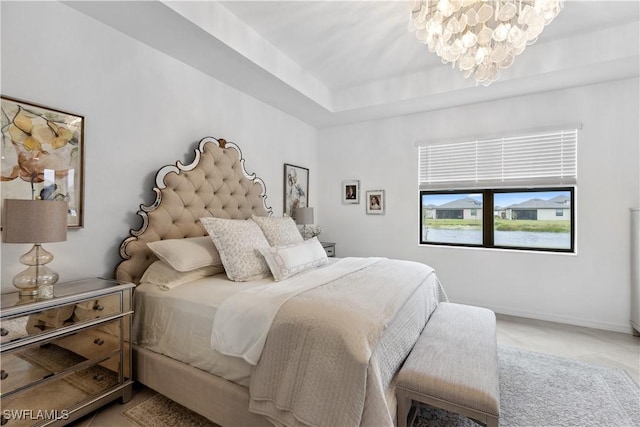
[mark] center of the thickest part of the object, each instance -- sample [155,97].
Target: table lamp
[35,221]
[303,216]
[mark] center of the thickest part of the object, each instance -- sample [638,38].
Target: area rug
[159,411]
[535,390]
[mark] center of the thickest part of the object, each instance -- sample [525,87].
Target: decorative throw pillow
[187,254]
[238,242]
[285,261]
[279,231]
[161,274]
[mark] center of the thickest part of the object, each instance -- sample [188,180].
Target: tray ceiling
[336,62]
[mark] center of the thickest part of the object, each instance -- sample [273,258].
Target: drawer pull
[3,332]
[98,341]
[3,374]
[98,307]
[98,377]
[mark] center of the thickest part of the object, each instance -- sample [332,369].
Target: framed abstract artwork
[296,188]
[350,192]
[42,155]
[375,202]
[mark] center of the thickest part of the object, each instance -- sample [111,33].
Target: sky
[501,199]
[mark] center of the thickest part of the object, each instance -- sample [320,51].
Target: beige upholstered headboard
[214,184]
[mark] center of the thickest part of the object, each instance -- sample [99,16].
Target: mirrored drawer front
[52,399]
[94,343]
[27,365]
[56,318]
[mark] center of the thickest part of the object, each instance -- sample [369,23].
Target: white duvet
[243,320]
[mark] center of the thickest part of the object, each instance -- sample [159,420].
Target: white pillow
[238,241]
[166,277]
[285,261]
[186,254]
[279,231]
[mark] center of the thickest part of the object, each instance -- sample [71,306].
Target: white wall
[590,288]
[143,110]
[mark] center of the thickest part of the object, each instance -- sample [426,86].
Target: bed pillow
[166,277]
[286,261]
[239,241]
[187,254]
[279,231]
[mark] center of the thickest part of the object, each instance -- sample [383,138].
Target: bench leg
[404,406]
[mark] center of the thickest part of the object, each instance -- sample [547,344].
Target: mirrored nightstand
[330,248]
[65,356]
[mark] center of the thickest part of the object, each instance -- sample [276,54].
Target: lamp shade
[34,221]
[303,215]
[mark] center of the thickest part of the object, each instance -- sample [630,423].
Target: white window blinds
[539,159]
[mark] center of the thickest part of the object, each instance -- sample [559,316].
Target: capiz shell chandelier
[481,37]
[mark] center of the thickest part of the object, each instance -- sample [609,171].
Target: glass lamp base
[37,279]
[28,292]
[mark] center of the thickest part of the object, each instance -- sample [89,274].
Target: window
[516,192]
[531,221]
[451,218]
[498,218]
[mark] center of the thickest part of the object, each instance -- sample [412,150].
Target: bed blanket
[333,350]
[242,322]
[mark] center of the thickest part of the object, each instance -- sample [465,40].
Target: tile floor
[613,349]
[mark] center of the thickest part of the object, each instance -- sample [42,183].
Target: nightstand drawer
[52,398]
[94,343]
[329,248]
[22,327]
[30,364]
[18,371]
[97,308]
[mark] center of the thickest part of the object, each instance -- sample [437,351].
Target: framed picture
[42,155]
[375,202]
[350,192]
[296,188]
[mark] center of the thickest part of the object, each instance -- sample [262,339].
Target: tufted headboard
[214,184]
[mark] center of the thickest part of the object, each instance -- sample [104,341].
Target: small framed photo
[42,155]
[350,192]
[375,202]
[296,188]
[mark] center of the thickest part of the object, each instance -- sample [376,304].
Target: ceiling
[349,43]
[336,62]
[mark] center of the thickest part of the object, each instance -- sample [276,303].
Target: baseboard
[614,327]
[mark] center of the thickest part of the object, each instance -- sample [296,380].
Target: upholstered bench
[453,365]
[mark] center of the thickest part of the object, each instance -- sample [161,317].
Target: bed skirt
[213,397]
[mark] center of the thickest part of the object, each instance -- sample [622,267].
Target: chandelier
[480,37]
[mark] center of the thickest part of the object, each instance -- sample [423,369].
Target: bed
[315,343]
